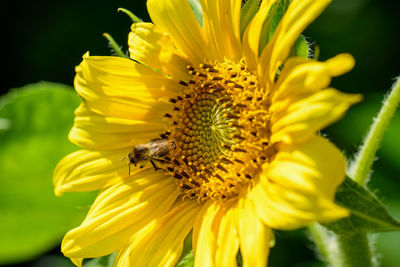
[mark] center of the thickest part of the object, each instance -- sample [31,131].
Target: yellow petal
[298,187]
[77,262]
[98,132]
[150,46]
[254,235]
[298,16]
[161,242]
[203,235]
[176,18]
[121,88]
[119,212]
[221,23]
[227,239]
[251,36]
[86,170]
[305,116]
[215,240]
[300,78]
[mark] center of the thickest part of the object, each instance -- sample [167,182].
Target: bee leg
[165,135]
[162,160]
[154,165]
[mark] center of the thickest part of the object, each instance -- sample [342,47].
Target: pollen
[221,129]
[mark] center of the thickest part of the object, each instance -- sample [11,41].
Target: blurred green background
[44,40]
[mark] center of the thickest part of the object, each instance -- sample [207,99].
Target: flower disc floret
[221,128]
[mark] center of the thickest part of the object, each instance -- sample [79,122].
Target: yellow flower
[244,154]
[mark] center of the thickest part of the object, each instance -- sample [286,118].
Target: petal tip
[58,192]
[341,64]
[357,98]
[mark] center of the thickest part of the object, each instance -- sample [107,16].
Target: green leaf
[4,124]
[33,219]
[271,23]
[105,261]
[247,13]
[197,10]
[187,245]
[367,213]
[187,261]
[239,259]
[300,48]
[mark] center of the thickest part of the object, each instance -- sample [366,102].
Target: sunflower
[229,128]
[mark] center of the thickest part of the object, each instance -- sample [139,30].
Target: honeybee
[156,149]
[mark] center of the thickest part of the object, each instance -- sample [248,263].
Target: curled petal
[298,187]
[176,18]
[150,46]
[121,88]
[305,116]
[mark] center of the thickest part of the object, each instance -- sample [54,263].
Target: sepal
[367,213]
[247,13]
[105,261]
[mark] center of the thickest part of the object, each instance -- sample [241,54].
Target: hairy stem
[325,243]
[114,46]
[344,250]
[361,166]
[353,249]
[130,14]
[356,247]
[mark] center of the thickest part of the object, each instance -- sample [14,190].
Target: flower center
[221,129]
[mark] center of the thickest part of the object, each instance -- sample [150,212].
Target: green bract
[197,11]
[367,213]
[248,11]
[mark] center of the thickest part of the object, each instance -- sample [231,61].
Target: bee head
[139,153]
[131,157]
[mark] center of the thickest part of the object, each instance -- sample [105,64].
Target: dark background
[44,40]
